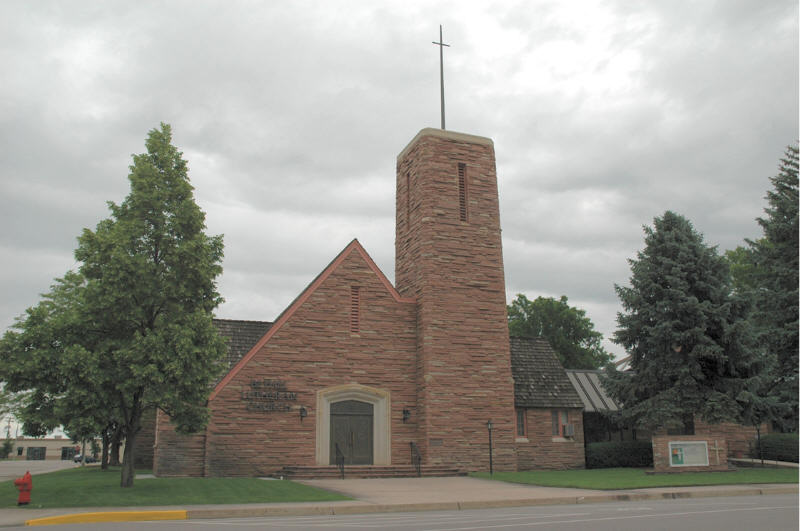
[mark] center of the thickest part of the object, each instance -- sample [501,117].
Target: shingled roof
[539,379]
[240,336]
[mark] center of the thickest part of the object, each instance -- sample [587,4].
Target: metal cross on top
[441,45]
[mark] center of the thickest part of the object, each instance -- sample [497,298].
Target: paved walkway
[408,494]
[440,490]
[12,469]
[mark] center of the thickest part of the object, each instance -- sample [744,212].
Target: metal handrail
[416,458]
[339,459]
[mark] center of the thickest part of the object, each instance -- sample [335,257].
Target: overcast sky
[604,114]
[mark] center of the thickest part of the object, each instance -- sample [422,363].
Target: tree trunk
[131,431]
[116,442]
[758,442]
[83,453]
[104,458]
[128,472]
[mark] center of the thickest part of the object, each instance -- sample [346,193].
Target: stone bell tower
[449,257]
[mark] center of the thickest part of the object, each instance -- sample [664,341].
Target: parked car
[89,459]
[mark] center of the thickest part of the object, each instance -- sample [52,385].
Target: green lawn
[635,478]
[93,487]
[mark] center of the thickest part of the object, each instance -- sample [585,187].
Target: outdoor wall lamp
[303,413]
[406,415]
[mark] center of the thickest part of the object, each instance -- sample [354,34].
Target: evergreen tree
[571,334]
[685,331]
[150,289]
[774,279]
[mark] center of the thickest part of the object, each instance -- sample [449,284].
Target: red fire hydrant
[25,486]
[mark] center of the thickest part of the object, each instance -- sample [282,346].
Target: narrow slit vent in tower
[462,191]
[408,199]
[355,304]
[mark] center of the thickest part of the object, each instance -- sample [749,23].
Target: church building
[375,375]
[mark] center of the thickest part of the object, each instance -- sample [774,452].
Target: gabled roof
[624,365]
[588,385]
[240,336]
[539,378]
[353,246]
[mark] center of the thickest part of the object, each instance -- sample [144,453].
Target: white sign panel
[688,453]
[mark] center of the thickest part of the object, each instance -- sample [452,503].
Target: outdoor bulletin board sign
[688,453]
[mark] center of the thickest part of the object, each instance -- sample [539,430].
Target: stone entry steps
[366,472]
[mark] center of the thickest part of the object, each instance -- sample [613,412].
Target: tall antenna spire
[441,67]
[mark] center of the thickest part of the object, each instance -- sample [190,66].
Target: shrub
[776,447]
[614,454]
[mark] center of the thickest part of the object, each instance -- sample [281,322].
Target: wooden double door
[351,430]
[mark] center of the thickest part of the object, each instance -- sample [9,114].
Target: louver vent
[462,191]
[355,302]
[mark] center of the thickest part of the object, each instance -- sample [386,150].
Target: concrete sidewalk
[393,495]
[12,469]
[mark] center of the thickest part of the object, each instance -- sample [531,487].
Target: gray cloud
[291,114]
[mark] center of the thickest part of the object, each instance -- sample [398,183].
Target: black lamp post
[489,427]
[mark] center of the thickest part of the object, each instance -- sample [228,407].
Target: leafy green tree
[773,278]
[571,334]
[6,448]
[34,352]
[685,330]
[131,331]
[10,402]
[743,270]
[150,289]
[47,353]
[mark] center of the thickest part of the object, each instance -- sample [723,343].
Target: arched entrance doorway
[357,418]
[351,432]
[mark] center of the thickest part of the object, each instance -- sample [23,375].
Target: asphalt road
[767,513]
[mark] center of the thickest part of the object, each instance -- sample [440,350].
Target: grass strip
[93,487]
[636,478]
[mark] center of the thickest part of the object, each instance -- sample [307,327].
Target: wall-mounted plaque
[268,395]
[688,453]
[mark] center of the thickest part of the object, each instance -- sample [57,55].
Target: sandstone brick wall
[315,350]
[176,454]
[145,439]
[717,460]
[737,437]
[444,356]
[454,269]
[540,450]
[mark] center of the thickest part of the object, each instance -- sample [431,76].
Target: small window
[462,191]
[19,450]
[355,303]
[560,421]
[521,432]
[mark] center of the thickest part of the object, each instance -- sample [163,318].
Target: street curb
[330,510]
[117,516]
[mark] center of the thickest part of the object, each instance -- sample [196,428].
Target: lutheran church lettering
[268,395]
[383,374]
